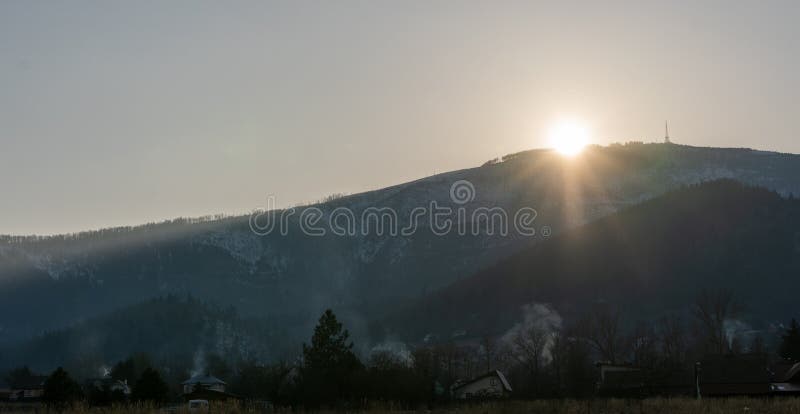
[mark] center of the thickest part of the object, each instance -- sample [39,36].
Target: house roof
[107,382]
[495,373]
[786,372]
[203,379]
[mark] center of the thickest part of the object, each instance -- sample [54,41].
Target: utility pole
[697,370]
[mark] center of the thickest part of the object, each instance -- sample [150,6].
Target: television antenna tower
[666,133]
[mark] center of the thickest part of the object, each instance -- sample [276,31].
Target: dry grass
[611,406]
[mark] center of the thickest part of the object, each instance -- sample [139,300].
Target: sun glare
[569,137]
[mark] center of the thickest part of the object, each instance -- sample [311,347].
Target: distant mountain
[48,283]
[648,259]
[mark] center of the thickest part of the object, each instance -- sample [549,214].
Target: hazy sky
[117,113]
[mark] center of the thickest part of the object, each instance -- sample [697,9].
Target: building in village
[203,382]
[493,384]
[619,380]
[734,374]
[205,387]
[109,385]
[714,376]
[28,389]
[5,391]
[785,378]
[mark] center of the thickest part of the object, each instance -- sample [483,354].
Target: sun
[569,138]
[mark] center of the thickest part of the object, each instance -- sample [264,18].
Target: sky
[125,112]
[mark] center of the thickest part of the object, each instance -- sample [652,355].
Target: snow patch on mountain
[705,174]
[398,249]
[244,246]
[368,248]
[273,263]
[56,267]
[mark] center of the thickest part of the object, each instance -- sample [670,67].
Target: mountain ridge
[212,218]
[292,278]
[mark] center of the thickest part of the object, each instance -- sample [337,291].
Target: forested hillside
[173,331]
[47,283]
[646,261]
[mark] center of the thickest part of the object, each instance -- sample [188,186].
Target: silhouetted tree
[578,371]
[712,309]
[150,387]
[674,340]
[216,366]
[644,346]
[735,345]
[428,366]
[558,357]
[602,329]
[489,348]
[60,389]
[270,382]
[528,347]
[790,342]
[390,377]
[329,364]
[131,369]
[103,395]
[758,346]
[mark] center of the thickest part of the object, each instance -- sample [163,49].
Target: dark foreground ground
[612,406]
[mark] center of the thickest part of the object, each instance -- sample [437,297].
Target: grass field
[611,406]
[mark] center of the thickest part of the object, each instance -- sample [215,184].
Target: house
[608,372]
[673,382]
[493,384]
[28,389]
[109,385]
[741,374]
[715,376]
[619,380]
[203,382]
[5,391]
[206,387]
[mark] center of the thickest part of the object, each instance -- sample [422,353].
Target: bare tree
[758,346]
[643,346]
[489,351]
[712,309]
[558,356]
[602,330]
[673,338]
[472,359]
[529,347]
